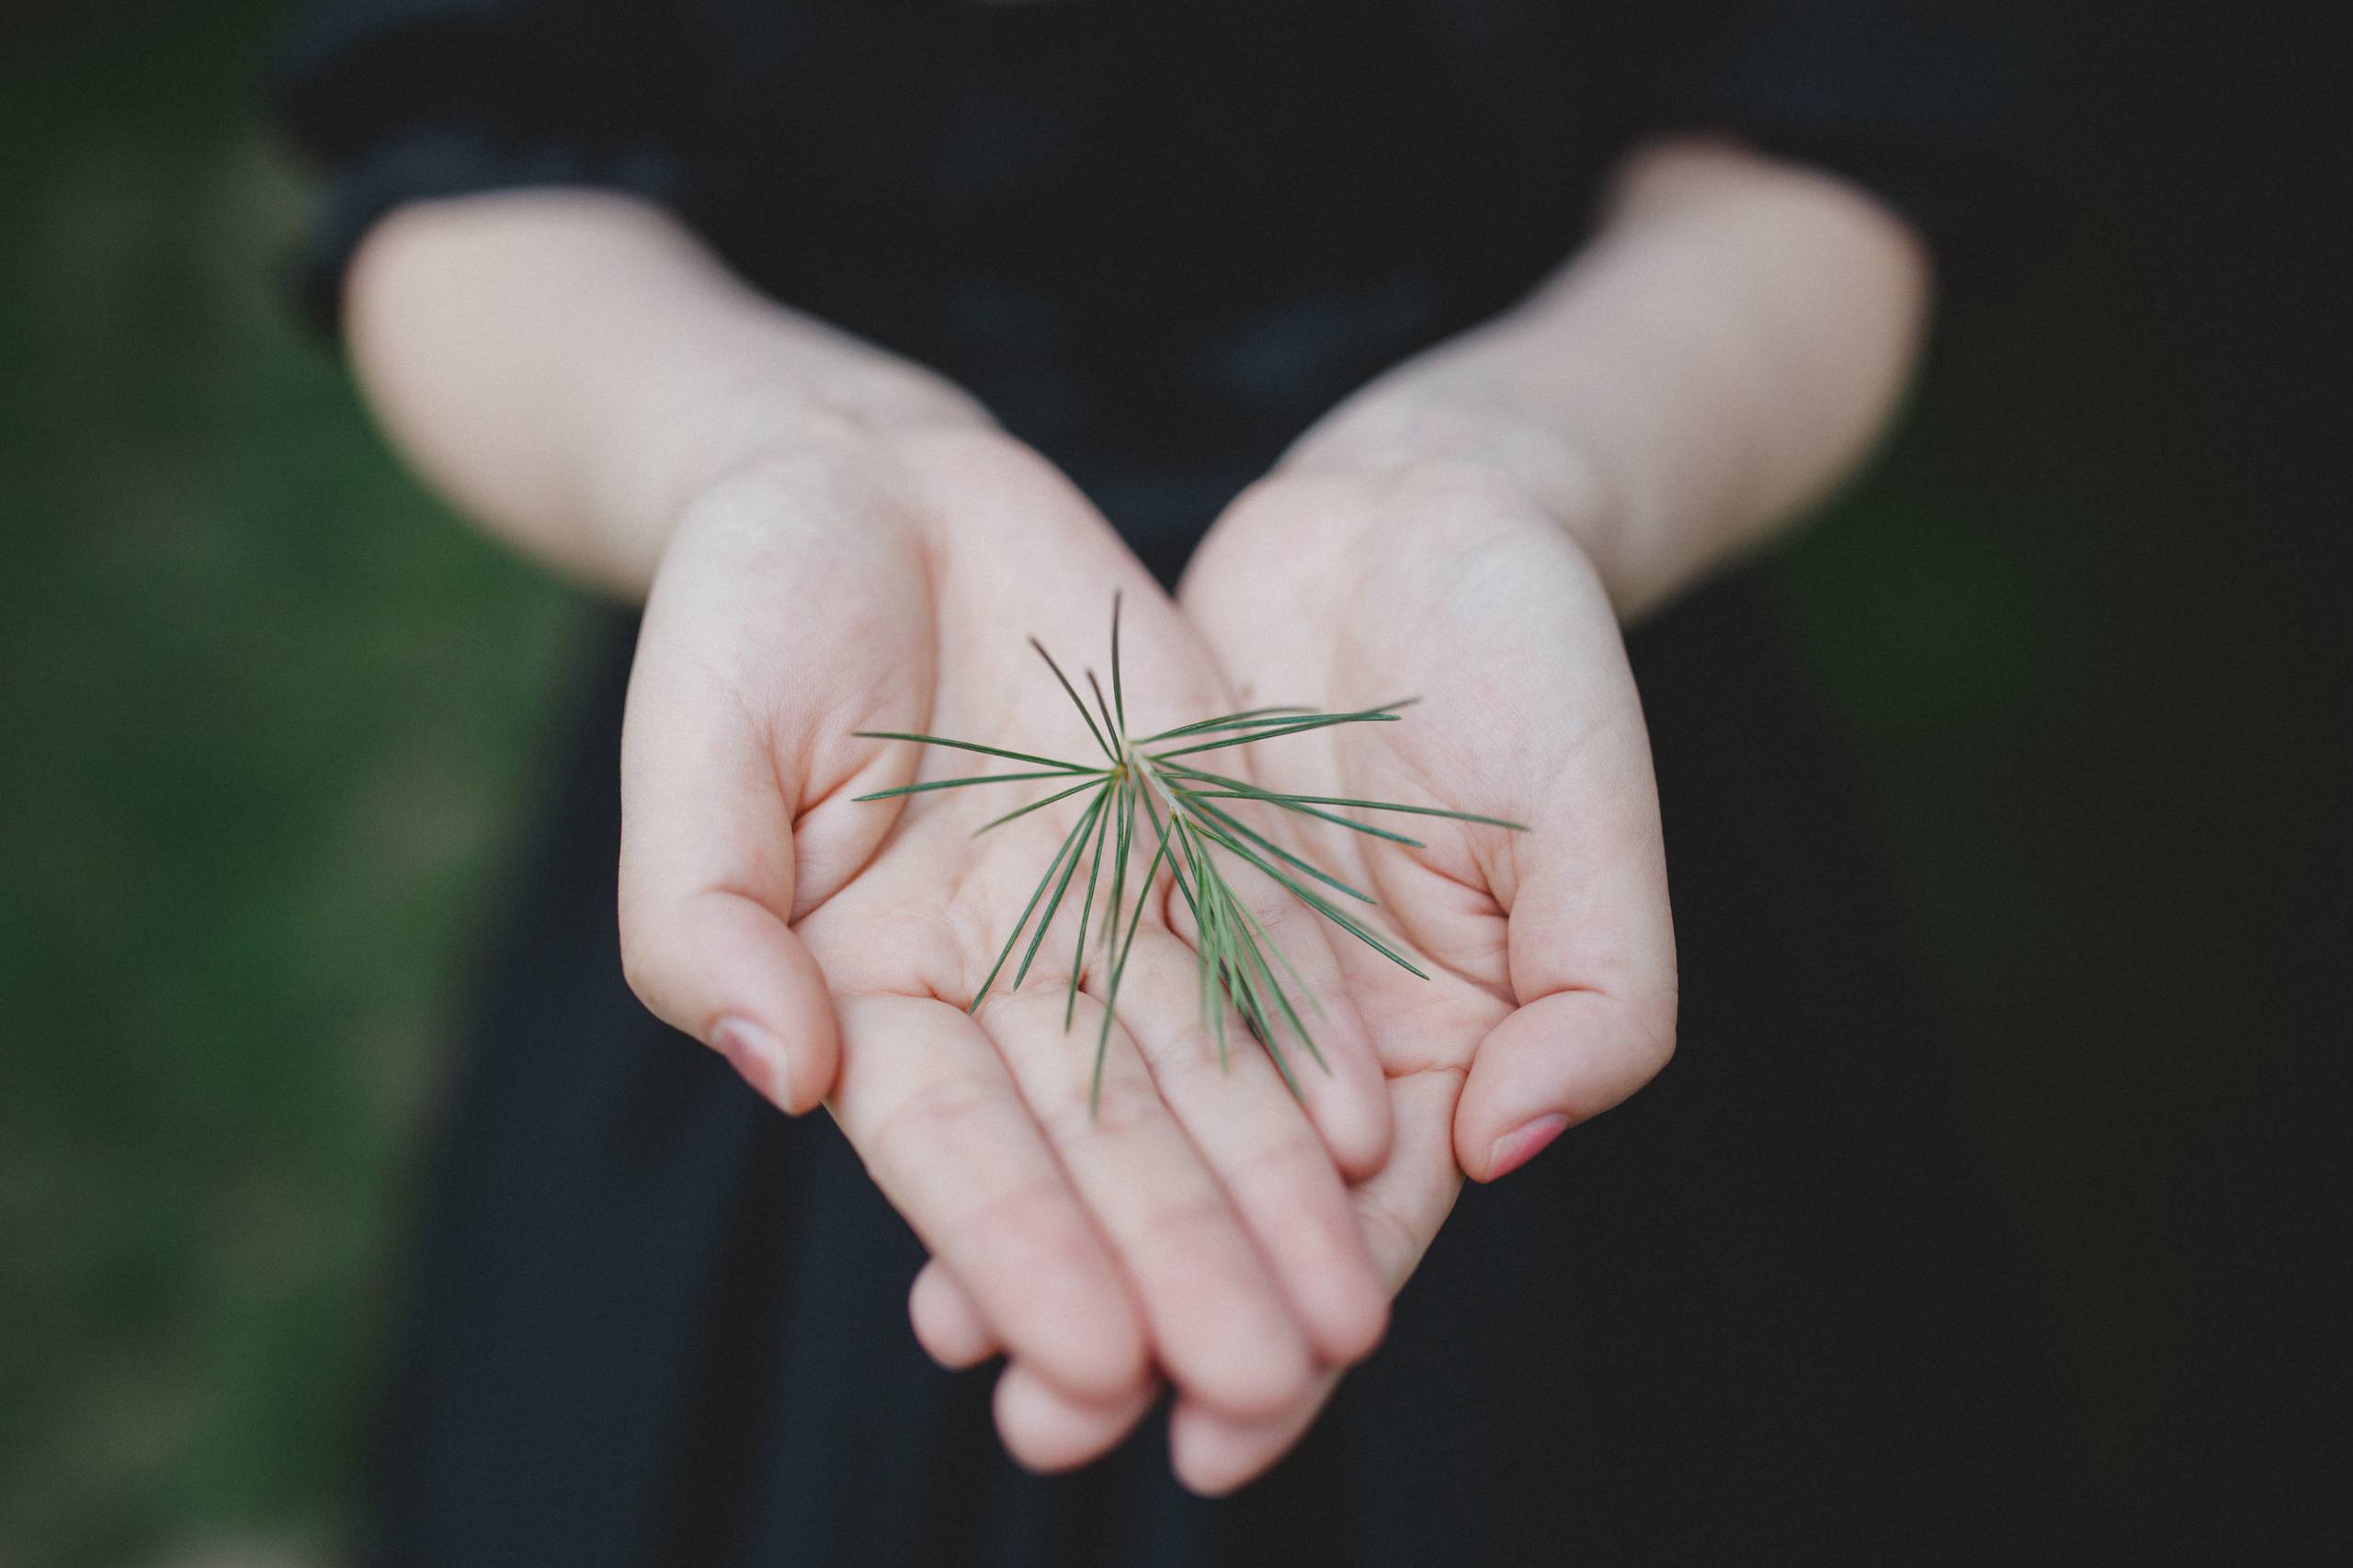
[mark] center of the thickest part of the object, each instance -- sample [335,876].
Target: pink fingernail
[756,1054]
[1523,1143]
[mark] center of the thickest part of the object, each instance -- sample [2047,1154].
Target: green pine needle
[971,745]
[1069,866]
[1084,717]
[1027,910]
[959,784]
[1119,692]
[1248,718]
[1102,706]
[1237,958]
[1201,808]
[1235,790]
[1119,973]
[1320,721]
[1095,783]
[1085,909]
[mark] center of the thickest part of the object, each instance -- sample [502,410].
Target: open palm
[1194,1220]
[1549,955]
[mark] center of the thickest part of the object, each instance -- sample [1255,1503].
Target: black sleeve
[1931,105]
[396,101]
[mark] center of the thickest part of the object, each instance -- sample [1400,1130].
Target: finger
[1551,1065]
[1591,945]
[736,722]
[706,880]
[947,1325]
[1213,1455]
[928,1107]
[1257,1141]
[1043,1427]
[1344,1095]
[1400,1211]
[1046,1429]
[1222,1325]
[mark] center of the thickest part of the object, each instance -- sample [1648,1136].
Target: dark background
[267,717]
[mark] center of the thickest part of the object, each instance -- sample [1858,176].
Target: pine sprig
[1178,803]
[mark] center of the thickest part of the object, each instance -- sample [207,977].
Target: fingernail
[759,1055]
[1523,1143]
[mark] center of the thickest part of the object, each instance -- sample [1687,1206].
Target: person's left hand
[1551,952]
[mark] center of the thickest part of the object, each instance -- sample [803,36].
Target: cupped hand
[1195,1224]
[1551,993]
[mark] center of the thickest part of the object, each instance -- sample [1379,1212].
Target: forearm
[569,368]
[1723,351]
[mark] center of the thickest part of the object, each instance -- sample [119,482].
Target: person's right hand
[828,946]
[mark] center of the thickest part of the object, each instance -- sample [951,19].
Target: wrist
[570,368]
[851,409]
[1421,439]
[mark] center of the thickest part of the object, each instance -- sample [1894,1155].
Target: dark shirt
[1157,237]
[1742,1319]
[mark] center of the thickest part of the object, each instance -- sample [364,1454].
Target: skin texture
[839,941]
[831,539]
[1551,953]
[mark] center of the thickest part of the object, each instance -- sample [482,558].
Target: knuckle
[1393,1239]
[1333,1278]
[1292,1161]
[1279,1375]
[1654,1020]
[924,1119]
[646,965]
[1030,1208]
[1127,1106]
[1361,1331]
[1195,1221]
[1185,1056]
[1033,1226]
[1352,1324]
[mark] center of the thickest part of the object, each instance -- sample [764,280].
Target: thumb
[706,880]
[1591,943]
[1551,1063]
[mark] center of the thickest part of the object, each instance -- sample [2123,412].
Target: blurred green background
[267,717]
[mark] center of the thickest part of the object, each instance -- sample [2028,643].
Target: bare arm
[832,542]
[1721,354]
[570,368]
[1473,528]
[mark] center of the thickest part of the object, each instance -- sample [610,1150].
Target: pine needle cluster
[1188,818]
